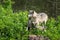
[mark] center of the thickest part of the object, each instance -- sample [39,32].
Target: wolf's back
[43,16]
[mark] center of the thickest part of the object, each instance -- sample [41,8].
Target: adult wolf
[37,18]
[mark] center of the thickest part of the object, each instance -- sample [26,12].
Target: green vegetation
[13,25]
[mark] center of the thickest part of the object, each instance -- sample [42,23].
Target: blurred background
[51,7]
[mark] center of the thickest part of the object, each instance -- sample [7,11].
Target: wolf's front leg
[37,24]
[45,22]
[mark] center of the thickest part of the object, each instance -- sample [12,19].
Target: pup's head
[33,37]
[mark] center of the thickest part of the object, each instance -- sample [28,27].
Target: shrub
[12,25]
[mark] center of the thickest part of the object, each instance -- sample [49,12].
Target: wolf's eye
[34,17]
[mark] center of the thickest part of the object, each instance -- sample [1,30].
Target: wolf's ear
[35,13]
